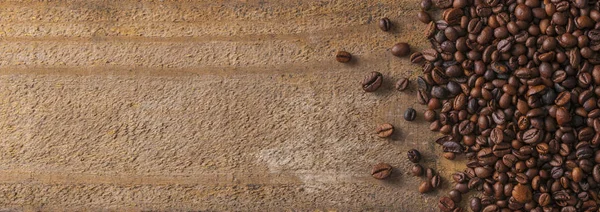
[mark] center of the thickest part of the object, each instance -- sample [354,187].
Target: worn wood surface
[207,105]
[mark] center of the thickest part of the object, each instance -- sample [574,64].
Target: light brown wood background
[207,105]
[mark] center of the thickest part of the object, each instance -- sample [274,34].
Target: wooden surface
[207,105]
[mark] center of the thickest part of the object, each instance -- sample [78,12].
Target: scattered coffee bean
[401,49]
[381,171]
[343,57]
[385,24]
[430,115]
[402,84]
[417,170]
[425,187]
[414,155]
[372,82]
[423,17]
[410,114]
[384,130]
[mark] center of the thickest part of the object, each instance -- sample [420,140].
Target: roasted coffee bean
[410,114]
[385,24]
[381,171]
[372,82]
[425,187]
[384,130]
[445,203]
[414,155]
[417,170]
[401,49]
[436,180]
[475,204]
[430,115]
[416,57]
[516,84]
[343,57]
[402,84]
[423,17]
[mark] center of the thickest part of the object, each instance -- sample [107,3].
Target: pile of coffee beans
[513,86]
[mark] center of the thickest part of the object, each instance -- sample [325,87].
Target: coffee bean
[426,4]
[402,84]
[425,187]
[455,195]
[410,114]
[384,130]
[401,49]
[423,17]
[430,116]
[430,54]
[385,24]
[446,204]
[416,57]
[343,57]
[372,81]
[414,155]
[417,170]
[381,171]
[436,181]
[475,204]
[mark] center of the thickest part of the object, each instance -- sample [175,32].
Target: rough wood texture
[207,105]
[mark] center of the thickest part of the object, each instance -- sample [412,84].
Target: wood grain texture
[207,105]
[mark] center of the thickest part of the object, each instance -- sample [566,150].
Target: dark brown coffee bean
[416,57]
[446,204]
[475,204]
[343,57]
[385,24]
[417,170]
[430,115]
[414,155]
[381,171]
[455,195]
[423,17]
[452,16]
[436,181]
[410,114]
[384,130]
[430,54]
[425,187]
[401,50]
[372,82]
[426,4]
[422,97]
[402,84]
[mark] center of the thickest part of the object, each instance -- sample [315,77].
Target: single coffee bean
[455,195]
[402,84]
[446,204]
[436,181]
[410,114]
[372,82]
[416,57]
[343,57]
[381,171]
[401,49]
[425,187]
[417,170]
[423,17]
[414,155]
[385,24]
[384,130]
[430,116]
[475,204]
